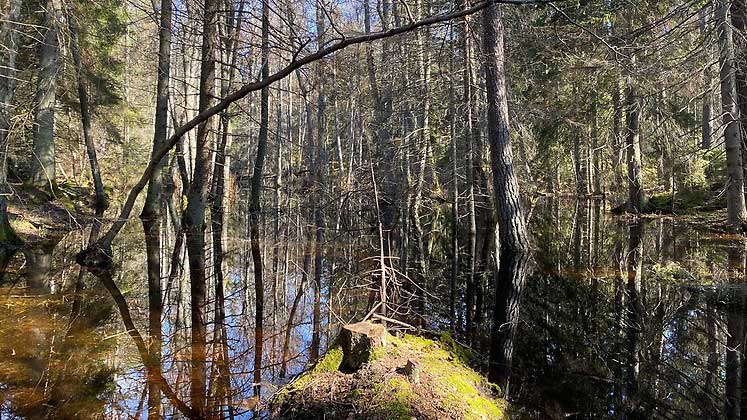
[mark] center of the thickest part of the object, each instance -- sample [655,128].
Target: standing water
[624,318]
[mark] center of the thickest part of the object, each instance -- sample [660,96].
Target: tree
[319,178]
[44,160]
[637,200]
[255,201]
[736,210]
[85,116]
[151,214]
[8,68]
[194,214]
[512,232]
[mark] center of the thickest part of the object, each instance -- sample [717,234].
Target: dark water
[618,318]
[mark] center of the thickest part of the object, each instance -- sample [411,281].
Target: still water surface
[619,318]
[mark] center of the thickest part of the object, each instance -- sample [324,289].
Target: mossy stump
[358,342]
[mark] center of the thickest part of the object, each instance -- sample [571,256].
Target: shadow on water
[609,318]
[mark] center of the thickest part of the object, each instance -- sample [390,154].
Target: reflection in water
[609,318]
[634,323]
[632,326]
[53,360]
[734,331]
[38,267]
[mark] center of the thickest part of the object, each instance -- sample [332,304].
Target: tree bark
[422,142]
[289,328]
[738,13]
[636,195]
[735,202]
[471,135]
[734,336]
[319,187]
[194,214]
[381,93]
[255,203]
[509,285]
[512,227]
[617,136]
[634,330]
[44,159]
[9,35]
[217,214]
[711,411]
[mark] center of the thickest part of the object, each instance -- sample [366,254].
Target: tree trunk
[595,169]
[454,275]
[289,328]
[194,214]
[734,336]
[421,152]
[44,159]
[319,187]
[735,202]
[617,137]
[512,227]
[509,284]
[382,99]
[8,55]
[217,215]
[85,117]
[255,203]
[151,214]
[739,23]
[634,262]
[580,162]
[636,195]
[470,138]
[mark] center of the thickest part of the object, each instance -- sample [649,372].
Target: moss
[382,351]
[67,203]
[661,201]
[671,272]
[464,354]
[415,342]
[458,383]
[484,408]
[22,226]
[330,362]
[394,398]
[691,200]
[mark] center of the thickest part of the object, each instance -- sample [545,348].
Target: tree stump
[358,342]
[412,371]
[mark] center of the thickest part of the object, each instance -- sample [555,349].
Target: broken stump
[358,342]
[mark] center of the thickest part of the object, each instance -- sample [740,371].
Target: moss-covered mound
[410,377]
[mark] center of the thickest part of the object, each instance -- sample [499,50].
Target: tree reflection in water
[608,318]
